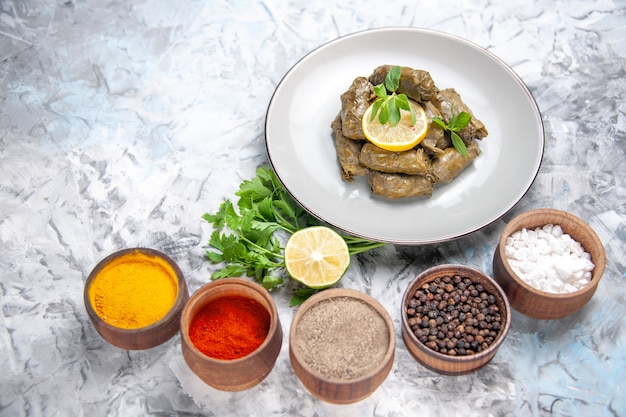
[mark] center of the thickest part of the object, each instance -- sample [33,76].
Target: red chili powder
[229,327]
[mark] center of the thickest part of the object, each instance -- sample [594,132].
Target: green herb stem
[358,245]
[266,251]
[285,224]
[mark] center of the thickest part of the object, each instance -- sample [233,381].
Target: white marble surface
[121,123]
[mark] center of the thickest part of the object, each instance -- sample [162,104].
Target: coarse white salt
[548,259]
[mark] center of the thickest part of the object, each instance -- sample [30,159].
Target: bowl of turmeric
[231,334]
[135,297]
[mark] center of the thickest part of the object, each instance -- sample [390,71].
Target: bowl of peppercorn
[549,263]
[231,334]
[454,319]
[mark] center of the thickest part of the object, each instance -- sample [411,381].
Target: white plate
[302,153]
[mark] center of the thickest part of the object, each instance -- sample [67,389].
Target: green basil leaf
[392,80]
[394,111]
[439,122]
[380,91]
[383,116]
[462,120]
[458,144]
[452,123]
[403,102]
[375,109]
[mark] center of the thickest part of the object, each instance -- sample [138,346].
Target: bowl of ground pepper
[134,298]
[454,319]
[231,334]
[341,345]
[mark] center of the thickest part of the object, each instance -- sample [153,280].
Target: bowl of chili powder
[231,334]
[134,298]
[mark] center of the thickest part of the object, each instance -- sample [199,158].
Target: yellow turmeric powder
[134,290]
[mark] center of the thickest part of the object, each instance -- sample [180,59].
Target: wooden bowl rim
[513,226]
[341,293]
[206,290]
[177,307]
[428,276]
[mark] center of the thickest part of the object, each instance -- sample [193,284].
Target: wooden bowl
[442,362]
[537,303]
[150,335]
[340,359]
[233,374]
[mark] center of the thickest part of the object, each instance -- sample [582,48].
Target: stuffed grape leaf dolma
[354,102]
[413,161]
[417,171]
[448,100]
[450,163]
[415,83]
[435,140]
[399,185]
[348,151]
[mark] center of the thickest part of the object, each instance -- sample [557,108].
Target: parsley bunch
[246,237]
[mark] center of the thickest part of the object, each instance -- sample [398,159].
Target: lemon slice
[400,137]
[316,256]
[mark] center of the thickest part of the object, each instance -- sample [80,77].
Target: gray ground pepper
[342,338]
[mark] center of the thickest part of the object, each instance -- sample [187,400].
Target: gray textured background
[121,123]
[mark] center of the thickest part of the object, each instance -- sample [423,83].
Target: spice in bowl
[548,259]
[454,319]
[342,338]
[229,327]
[134,298]
[231,333]
[341,345]
[542,267]
[134,290]
[454,316]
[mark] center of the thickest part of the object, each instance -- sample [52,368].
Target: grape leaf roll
[435,140]
[348,151]
[414,161]
[399,185]
[415,83]
[448,100]
[447,165]
[354,102]
[433,159]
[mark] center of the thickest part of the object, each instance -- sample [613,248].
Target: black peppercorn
[454,316]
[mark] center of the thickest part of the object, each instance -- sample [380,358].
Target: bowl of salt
[549,263]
